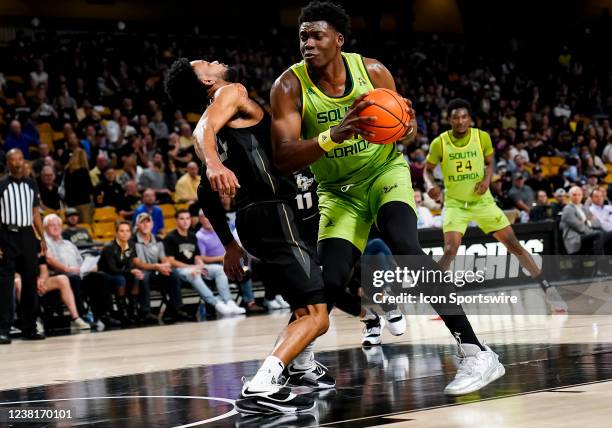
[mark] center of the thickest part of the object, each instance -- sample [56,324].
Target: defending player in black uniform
[232,138]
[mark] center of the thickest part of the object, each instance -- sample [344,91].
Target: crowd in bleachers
[90,114]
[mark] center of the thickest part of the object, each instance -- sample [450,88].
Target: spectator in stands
[601,212]
[131,170]
[39,75]
[538,182]
[184,256]
[109,193]
[42,153]
[48,190]
[112,129]
[63,258]
[117,270]
[607,151]
[125,130]
[501,197]
[560,196]
[91,118]
[425,218]
[16,139]
[130,200]
[187,185]
[211,253]
[148,206]
[541,210]
[417,166]
[143,125]
[186,138]
[158,126]
[177,155]
[522,195]
[581,230]
[65,105]
[152,261]
[77,185]
[74,233]
[154,178]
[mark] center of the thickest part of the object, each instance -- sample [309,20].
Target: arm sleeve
[211,205]
[435,152]
[486,143]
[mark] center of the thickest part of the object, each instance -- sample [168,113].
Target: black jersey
[306,200]
[248,153]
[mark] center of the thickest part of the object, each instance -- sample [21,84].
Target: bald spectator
[148,206]
[187,185]
[49,197]
[102,163]
[16,139]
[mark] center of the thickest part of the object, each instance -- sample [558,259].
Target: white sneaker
[223,309]
[282,302]
[396,322]
[555,301]
[234,307]
[79,324]
[476,369]
[271,304]
[372,330]
[100,326]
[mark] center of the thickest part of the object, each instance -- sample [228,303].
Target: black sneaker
[279,400]
[316,377]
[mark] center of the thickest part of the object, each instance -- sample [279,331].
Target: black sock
[459,325]
[542,281]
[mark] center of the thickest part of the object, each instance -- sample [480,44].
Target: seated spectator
[184,256]
[154,178]
[560,196]
[131,170]
[77,235]
[47,283]
[19,140]
[108,193]
[64,259]
[607,151]
[151,259]
[186,139]
[102,163]
[43,152]
[148,206]
[130,200]
[116,267]
[501,198]
[521,195]
[601,212]
[211,253]
[425,218]
[417,166]
[581,230]
[538,182]
[541,210]
[158,126]
[77,185]
[49,197]
[187,185]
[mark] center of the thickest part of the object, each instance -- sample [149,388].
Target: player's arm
[291,153]
[434,157]
[381,77]
[226,104]
[482,187]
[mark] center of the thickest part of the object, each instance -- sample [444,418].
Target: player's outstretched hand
[434,193]
[410,131]
[481,188]
[349,126]
[222,179]
[232,267]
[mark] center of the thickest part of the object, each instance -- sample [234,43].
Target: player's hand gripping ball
[392,117]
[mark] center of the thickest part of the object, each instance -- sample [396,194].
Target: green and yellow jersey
[462,162]
[353,160]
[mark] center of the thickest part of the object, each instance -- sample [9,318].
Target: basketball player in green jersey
[315,121]
[466,158]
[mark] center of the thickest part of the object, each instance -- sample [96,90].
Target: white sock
[370,314]
[305,359]
[271,369]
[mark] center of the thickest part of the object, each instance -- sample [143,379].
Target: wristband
[325,141]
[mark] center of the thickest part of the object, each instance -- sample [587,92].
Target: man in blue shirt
[18,140]
[148,206]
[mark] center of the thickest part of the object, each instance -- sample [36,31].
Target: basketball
[391,116]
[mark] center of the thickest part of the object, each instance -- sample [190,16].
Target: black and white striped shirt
[18,197]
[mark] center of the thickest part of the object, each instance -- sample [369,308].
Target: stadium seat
[545,161]
[104,230]
[44,127]
[87,227]
[182,206]
[193,117]
[168,210]
[557,160]
[105,215]
[169,224]
[608,178]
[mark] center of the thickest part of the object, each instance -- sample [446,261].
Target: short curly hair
[184,88]
[458,103]
[333,14]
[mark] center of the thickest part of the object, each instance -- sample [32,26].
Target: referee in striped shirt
[19,247]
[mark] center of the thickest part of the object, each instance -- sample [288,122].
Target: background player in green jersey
[466,157]
[316,122]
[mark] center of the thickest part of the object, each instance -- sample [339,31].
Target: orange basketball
[392,119]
